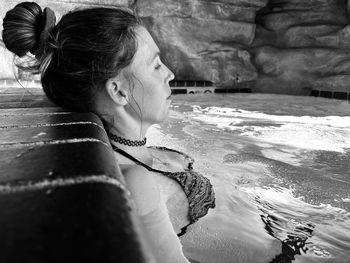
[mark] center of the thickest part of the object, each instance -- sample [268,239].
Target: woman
[104,61]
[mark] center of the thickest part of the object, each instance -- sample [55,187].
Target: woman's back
[153,213]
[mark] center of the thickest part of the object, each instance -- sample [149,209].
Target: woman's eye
[158,66]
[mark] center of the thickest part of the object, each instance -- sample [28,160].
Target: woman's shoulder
[143,187]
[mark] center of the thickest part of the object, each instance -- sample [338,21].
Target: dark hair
[85,49]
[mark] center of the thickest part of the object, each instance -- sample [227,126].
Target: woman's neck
[125,143]
[123,125]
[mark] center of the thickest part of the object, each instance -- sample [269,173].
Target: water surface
[280,169]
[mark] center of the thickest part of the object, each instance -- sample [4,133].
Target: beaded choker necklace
[127,142]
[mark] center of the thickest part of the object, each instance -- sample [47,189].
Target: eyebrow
[154,56]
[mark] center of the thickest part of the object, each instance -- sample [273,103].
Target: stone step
[47,134]
[33,161]
[22,97]
[38,120]
[35,103]
[21,90]
[33,111]
[17,98]
[82,222]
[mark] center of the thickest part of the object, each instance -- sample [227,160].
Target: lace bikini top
[198,189]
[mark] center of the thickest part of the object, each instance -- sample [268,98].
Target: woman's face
[150,92]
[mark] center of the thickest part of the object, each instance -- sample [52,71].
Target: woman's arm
[154,216]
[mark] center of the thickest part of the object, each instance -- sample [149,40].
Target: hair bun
[22,27]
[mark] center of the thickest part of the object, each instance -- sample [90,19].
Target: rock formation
[206,40]
[302,45]
[277,46]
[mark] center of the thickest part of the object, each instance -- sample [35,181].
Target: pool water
[281,172]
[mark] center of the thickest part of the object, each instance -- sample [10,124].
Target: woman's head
[150,76]
[77,56]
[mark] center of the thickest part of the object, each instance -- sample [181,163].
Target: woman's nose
[170,75]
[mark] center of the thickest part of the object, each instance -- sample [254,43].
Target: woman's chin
[161,119]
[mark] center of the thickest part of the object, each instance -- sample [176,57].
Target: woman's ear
[116,90]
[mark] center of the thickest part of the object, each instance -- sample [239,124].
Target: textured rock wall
[204,39]
[280,46]
[302,45]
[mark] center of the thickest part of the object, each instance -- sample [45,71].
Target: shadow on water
[289,250]
[293,242]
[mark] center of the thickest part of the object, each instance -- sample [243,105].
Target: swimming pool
[281,172]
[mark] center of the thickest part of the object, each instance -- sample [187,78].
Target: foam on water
[308,132]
